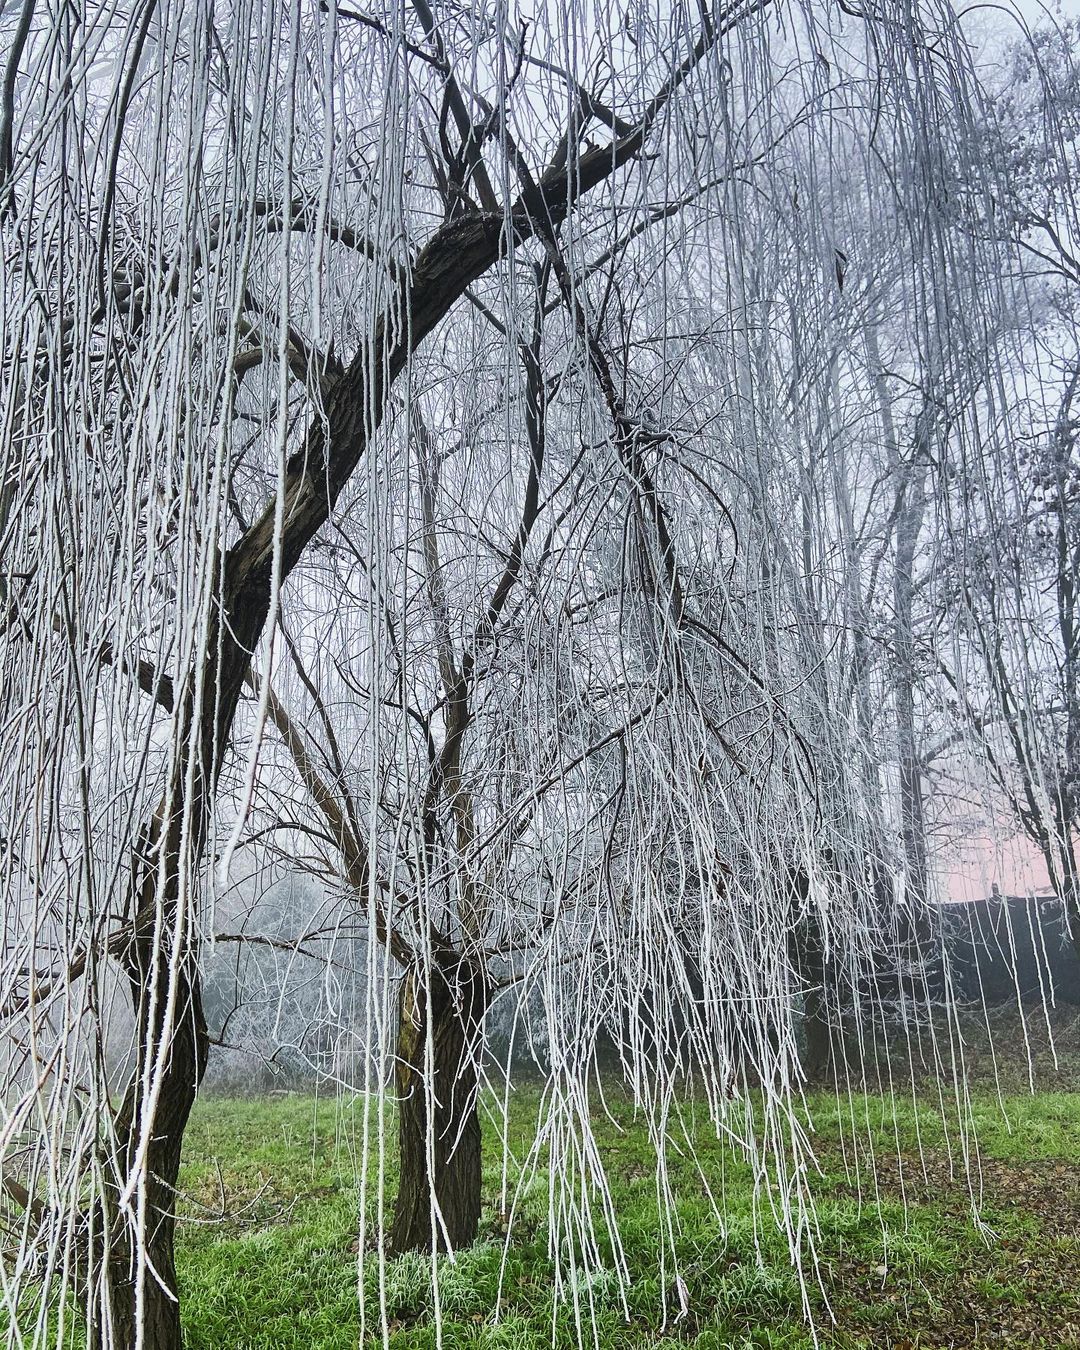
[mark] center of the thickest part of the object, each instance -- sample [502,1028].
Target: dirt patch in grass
[1021,1289]
[1046,1189]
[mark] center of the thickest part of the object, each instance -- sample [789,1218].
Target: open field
[268,1254]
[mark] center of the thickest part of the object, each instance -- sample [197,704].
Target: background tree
[1014,552]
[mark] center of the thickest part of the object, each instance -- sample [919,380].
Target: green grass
[269,1251]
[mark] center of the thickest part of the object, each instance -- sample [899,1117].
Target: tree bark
[440,1041]
[817,1031]
[160,960]
[806,947]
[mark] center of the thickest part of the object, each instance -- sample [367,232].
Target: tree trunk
[119,1265]
[122,1310]
[1070,903]
[171,1054]
[806,945]
[919,972]
[440,1041]
[817,1031]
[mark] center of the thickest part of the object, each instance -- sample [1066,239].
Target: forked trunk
[440,1040]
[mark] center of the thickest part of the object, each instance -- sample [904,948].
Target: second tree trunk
[440,1040]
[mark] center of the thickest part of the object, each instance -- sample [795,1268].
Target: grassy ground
[269,1247]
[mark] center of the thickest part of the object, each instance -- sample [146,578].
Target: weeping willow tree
[401,410]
